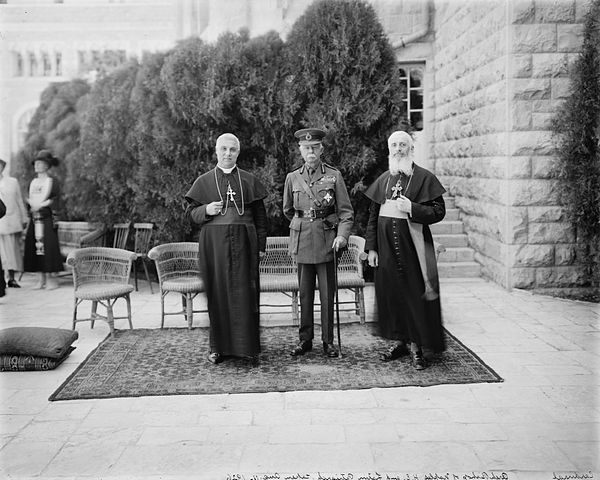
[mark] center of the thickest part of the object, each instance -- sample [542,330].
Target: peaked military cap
[309,136]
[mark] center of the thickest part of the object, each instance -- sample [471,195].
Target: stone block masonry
[500,74]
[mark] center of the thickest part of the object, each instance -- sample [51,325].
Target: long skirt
[51,260]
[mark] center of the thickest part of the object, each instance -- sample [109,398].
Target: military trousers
[307,275]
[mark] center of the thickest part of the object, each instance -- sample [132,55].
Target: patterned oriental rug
[172,361]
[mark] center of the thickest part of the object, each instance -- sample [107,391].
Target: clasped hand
[404,204]
[214,208]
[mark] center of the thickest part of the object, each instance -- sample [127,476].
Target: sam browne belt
[315,213]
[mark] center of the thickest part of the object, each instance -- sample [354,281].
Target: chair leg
[361,304]
[128,300]
[162,309]
[147,275]
[75,303]
[94,313]
[295,313]
[184,306]
[111,319]
[190,310]
[135,274]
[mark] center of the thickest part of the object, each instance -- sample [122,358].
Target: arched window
[58,64]
[411,74]
[33,65]
[47,65]
[18,63]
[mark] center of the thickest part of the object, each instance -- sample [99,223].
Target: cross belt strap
[315,213]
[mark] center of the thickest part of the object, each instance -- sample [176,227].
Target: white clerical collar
[227,170]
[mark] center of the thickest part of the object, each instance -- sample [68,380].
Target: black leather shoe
[330,350]
[214,357]
[13,284]
[395,352]
[301,348]
[418,362]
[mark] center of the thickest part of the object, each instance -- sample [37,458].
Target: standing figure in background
[2,281]
[42,251]
[316,202]
[404,201]
[228,205]
[11,226]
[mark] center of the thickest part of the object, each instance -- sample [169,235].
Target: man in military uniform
[316,202]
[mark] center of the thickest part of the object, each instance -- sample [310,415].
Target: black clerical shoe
[13,284]
[395,352]
[214,357]
[418,362]
[301,348]
[330,350]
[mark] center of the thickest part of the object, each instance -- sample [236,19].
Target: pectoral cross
[397,190]
[230,193]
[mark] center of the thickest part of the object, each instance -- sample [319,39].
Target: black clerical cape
[406,280]
[228,256]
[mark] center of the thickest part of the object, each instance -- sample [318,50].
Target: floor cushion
[34,348]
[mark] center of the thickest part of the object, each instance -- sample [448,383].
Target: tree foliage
[145,131]
[577,130]
[345,81]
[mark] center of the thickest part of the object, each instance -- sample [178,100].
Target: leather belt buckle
[311,213]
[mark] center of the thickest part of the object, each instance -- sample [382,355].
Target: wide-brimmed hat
[46,156]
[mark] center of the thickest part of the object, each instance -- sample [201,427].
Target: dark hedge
[577,131]
[135,141]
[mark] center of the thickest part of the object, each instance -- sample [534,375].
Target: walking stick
[337,302]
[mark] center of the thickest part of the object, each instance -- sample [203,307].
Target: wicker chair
[178,271]
[350,273]
[120,235]
[279,273]
[101,275]
[143,235]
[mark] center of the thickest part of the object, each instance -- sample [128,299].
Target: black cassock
[228,256]
[406,311]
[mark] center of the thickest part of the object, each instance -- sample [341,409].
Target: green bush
[577,130]
[345,81]
[145,131]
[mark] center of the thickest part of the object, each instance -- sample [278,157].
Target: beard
[398,164]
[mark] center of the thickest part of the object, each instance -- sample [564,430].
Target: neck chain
[397,189]
[231,195]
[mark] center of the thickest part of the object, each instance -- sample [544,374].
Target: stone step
[447,226]
[458,269]
[449,202]
[452,239]
[452,214]
[457,254]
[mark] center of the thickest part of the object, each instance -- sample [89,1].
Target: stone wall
[500,74]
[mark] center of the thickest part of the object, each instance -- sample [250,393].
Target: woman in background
[42,252]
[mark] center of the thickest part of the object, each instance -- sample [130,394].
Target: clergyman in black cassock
[227,204]
[405,200]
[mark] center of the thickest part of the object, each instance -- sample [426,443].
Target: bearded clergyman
[405,200]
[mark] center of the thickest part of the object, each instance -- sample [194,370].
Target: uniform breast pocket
[297,192]
[326,194]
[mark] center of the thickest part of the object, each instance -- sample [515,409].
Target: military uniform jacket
[311,238]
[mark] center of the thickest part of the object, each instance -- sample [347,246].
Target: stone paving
[542,422]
